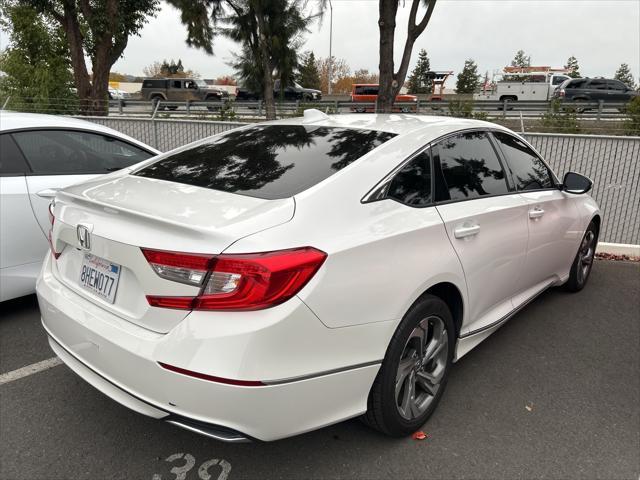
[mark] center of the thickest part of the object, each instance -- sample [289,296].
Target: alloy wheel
[422,367]
[585,255]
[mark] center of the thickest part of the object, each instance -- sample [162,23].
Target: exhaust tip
[216,432]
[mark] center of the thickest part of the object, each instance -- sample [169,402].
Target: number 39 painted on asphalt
[180,472]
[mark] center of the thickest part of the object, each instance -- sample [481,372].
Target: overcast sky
[601,34]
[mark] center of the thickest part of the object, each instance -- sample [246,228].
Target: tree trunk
[267,71]
[390,81]
[387,26]
[75,38]
[92,91]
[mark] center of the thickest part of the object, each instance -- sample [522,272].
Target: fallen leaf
[419,435]
[529,407]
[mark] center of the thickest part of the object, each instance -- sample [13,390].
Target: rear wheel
[155,100]
[414,372]
[580,105]
[581,267]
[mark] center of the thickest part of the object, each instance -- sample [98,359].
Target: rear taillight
[52,220]
[251,281]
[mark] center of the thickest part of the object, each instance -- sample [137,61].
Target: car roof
[11,121]
[400,124]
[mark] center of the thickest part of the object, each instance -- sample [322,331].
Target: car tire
[579,105]
[360,109]
[155,100]
[583,261]
[412,379]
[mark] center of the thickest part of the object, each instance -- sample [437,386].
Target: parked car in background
[39,154]
[291,93]
[584,90]
[368,93]
[181,90]
[283,276]
[117,94]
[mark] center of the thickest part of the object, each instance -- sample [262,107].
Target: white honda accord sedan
[288,275]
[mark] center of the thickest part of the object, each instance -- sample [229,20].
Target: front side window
[76,152]
[412,184]
[528,170]
[273,161]
[616,85]
[469,168]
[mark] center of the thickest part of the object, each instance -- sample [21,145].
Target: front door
[552,218]
[486,221]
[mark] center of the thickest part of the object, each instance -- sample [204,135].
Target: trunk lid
[124,213]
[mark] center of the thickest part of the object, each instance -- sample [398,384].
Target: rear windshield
[272,161]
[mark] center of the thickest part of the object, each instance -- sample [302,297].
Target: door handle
[536,213]
[466,231]
[48,192]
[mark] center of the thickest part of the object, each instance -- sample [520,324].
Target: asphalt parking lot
[555,393]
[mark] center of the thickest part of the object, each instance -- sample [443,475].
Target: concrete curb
[619,249]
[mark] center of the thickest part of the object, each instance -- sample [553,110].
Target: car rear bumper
[121,360]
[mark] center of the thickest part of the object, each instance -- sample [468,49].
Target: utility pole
[330,43]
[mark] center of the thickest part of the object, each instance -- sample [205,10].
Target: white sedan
[40,154]
[288,275]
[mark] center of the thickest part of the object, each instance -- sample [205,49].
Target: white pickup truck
[529,86]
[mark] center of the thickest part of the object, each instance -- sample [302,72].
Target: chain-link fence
[613,162]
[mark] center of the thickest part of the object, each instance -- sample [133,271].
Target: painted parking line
[29,370]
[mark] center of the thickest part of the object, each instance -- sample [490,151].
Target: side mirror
[575,183]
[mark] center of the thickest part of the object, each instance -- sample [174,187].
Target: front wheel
[582,263]
[414,372]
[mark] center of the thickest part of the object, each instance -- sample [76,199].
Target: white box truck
[529,86]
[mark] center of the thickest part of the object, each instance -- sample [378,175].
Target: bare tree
[391,81]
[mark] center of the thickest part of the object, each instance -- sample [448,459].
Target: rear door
[486,221]
[551,217]
[59,158]
[598,89]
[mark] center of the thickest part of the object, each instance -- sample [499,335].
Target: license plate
[100,277]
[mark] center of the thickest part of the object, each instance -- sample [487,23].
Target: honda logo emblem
[84,236]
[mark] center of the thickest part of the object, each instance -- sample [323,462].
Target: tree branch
[427,16]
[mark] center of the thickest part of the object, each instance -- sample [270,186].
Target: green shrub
[560,119]
[464,109]
[632,123]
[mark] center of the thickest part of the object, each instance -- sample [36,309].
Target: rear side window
[468,168]
[76,152]
[273,161]
[11,159]
[153,83]
[598,84]
[577,83]
[412,184]
[528,170]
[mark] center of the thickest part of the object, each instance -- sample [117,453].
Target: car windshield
[270,162]
[200,83]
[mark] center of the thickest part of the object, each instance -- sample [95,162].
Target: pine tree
[624,75]
[419,81]
[308,75]
[468,80]
[521,59]
[573,67]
